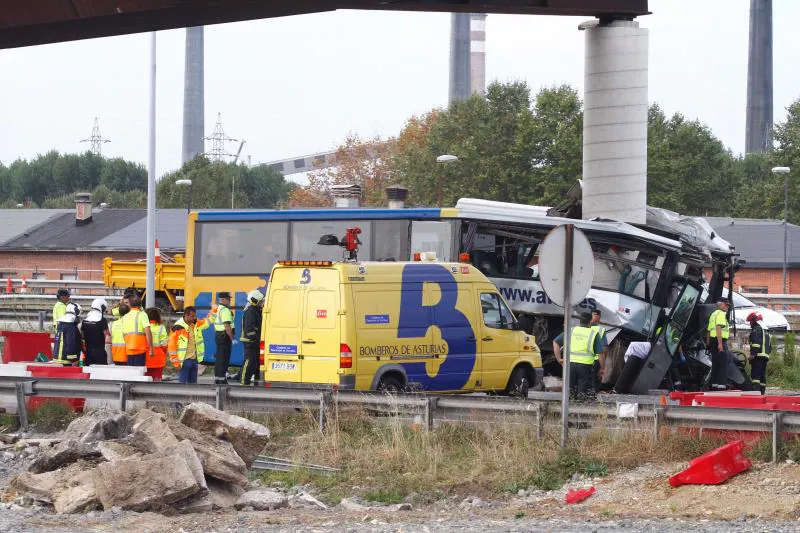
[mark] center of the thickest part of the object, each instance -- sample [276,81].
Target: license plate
[284,366]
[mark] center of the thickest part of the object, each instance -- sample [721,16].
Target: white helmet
[73,308]
[100,304]
[254,296]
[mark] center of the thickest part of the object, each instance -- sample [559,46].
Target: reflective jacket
[68,343]
[251,325]
[179,341]
[119,353]
[160,341]
[718,318]
[581,345]
[601,332]
[760,341]
[219,315]
[134,326]
[59,310]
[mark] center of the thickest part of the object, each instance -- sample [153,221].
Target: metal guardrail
[429,408]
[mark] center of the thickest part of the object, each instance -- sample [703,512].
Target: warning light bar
[306,263]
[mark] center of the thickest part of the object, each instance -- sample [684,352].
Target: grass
[386,459]
[782,374]
[52,416]
[8,422]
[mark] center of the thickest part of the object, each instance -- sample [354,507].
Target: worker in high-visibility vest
[717,341]
[584,344]
[222,318]
[119,352]
[760,348]
[60,307]
[186,345]
[136,329]
[600,331]
[155,363]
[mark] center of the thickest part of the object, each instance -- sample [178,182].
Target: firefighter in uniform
[222,318]
[251,337]
[717,340]
[760,347]
[585,343]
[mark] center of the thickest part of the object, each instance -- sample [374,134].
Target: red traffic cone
[9,287]
[158,253]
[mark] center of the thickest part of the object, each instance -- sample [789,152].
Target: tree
[359,162]
[212,183]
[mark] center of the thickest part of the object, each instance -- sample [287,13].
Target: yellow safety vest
[718,318]
[601,331]
[581,345]
[219,315]
[118,352]
[59,310]
[183,340]
[134,326]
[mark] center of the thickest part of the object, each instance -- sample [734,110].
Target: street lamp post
[189,183]
[443,159]
[785,171]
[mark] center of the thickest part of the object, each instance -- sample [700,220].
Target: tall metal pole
[785,229]
[460,59]
[150,296]
[567,327]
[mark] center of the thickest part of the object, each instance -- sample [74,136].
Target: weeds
[9,422]
[782,374]
[52,416]
[383,496]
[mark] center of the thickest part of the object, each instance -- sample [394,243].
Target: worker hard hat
[100,304]
[73,308]
[254,296]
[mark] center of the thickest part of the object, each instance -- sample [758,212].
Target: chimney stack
[397,195]
[83,208]
[346,196]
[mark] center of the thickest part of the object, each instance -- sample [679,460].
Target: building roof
[109,230]
[760,241]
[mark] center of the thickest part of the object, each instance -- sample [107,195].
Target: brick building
[760,245]
[65,244]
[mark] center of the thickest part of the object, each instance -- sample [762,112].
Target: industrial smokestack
[615,121]
[459,57]
[478,53]
[193,98]
[758,133]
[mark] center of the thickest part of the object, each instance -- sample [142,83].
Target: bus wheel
[519,384]
[390,384]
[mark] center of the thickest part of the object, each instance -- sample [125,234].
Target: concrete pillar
[758,133]
[193,97]
[615,121]
[478,53]
[459,57]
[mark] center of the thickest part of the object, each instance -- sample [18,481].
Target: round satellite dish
[552,257]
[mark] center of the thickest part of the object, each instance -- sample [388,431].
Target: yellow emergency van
[393,326]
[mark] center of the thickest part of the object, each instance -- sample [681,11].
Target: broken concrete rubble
[262,500]
[248,438]
[149,463]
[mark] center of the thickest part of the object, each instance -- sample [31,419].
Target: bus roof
[320,214]
[536,215]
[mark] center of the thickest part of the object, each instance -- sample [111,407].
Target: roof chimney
[397,195]
[83,208]
[346,196]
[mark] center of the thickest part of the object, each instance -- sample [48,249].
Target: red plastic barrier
[579,495]
[56,371]
[23,346]
[714,467]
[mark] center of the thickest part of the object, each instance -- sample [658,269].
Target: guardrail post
[658,420]
[124,393]
[325,400]
[430,410]
[221,397]
[777,423]
[541,413]
[23,388]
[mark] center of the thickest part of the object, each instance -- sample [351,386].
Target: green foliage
[52,416]
[9,422]
[212,182]
[789,349]
[553,474]
[383,496]
[782,375]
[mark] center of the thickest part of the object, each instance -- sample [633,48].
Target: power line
[96,140]
[218,141]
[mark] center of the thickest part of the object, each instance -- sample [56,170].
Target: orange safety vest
[134,325]
[160,341]
[118,352]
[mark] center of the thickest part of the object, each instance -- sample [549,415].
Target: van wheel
[519,384]
[390,384]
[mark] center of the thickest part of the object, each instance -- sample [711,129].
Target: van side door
[499,339]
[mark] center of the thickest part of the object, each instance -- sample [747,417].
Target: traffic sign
[552,266]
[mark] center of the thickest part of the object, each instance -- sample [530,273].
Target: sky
[298,85]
